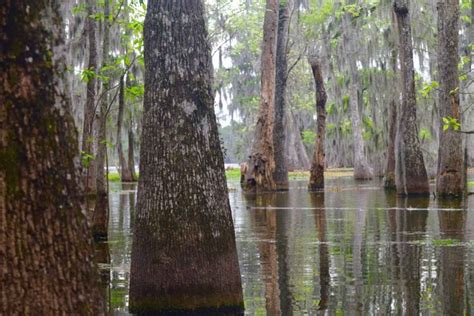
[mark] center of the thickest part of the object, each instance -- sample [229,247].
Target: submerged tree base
[182,307]
[389,181]
[363,172]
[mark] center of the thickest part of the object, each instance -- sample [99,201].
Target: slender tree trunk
[88,148]
[100,219]
[125,172]
[262,160]
[389,178]
[410,171]
[46,255]
[131,153]
[362,170]
[184,255]
[468,117]
[450,177]
[316,180]
[280,176]
[296,156]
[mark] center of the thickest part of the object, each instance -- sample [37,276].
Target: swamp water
[352,250]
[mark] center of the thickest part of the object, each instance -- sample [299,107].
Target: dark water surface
[352,250]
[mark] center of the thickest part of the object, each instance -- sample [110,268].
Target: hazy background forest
[235,30]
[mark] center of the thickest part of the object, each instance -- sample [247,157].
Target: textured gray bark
[184,255]
[467,99]
[131,154]
[389,176]
[262,159]
[296,156]
[362,170]
[88,143]
[316,179]
[450,179]
[46,256]
[280,175]
[125,172]
[410,172]
[100,218]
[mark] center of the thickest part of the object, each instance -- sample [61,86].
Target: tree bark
[389,178]
[410,171]
[46,255]
[100,219]
[450,176]
[131,153]
[262,160]
[88,148]
[362,170]
[296,156]
[468,117]
[125,172]
[184,255]
[316,180]
[280,175]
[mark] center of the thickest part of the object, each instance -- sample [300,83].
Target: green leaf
[87,75]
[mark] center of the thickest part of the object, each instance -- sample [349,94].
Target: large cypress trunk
[410,171]
[280,175]
[88,148]
[184,255]
[46,256]
[450,177]
[316,180]
[262,160]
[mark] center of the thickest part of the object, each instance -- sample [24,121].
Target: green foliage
[87,75]
[446,242]
[114,177]
[331,108]
[80,8]
[232,174]
[428,87]
[308,137]
[451,122]
[345,103]
[99,16]
[425,134]
[346,127]
[86,158]
[135,92]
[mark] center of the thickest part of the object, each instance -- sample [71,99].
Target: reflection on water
[353,248]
